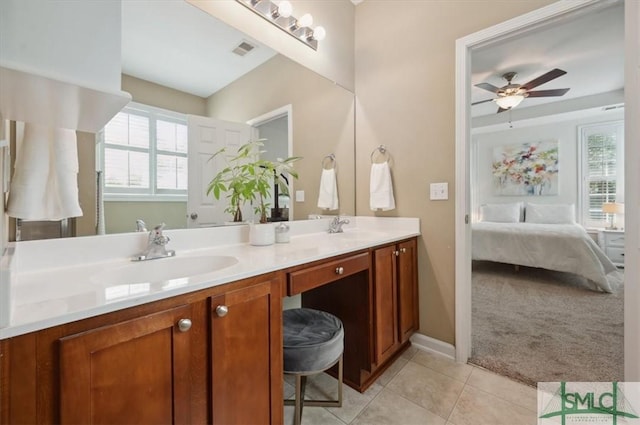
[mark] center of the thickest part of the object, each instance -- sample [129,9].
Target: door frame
[286,110]
[462,159]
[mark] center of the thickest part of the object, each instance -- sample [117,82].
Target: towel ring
[382,149]
[332,161]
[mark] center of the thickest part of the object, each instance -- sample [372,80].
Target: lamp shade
[508,102]
[613,208]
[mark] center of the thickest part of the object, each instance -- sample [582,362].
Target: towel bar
[332,161]
[382,149]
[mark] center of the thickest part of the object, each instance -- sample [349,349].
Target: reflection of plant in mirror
[249,178]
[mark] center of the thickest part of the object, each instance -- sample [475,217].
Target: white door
[206,137]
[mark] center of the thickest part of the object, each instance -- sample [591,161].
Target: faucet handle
[140,225]
[156,236]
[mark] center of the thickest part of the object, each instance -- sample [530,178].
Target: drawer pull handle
[184,325]
[403,250]
[339,270]
[396,253]
[222,310]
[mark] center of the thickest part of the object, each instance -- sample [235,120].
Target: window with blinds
[602,151]
[144,154]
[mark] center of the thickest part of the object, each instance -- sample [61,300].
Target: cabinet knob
[184,325]
[403,250]
[396,253]
[222,310]
[193,216]
[339,270]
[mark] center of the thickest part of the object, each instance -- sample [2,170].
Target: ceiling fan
[510,95]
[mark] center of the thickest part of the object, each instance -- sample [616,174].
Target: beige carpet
[536,325]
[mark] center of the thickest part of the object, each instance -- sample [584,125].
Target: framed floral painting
[526,169]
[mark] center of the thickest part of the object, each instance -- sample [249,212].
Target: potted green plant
[248,178]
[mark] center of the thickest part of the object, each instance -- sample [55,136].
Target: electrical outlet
[299,195]
[439,191]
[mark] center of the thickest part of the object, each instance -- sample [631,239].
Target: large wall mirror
[162,44]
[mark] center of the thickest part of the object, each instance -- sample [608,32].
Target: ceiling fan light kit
[511,95]
[509,101]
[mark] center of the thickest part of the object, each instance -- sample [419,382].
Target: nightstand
[612,243]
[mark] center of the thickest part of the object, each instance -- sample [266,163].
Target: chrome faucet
[156,246]
[336,224]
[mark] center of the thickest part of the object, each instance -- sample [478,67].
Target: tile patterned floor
[422,388]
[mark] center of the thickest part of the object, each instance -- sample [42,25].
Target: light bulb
[305,20]
[285,9]
[508,102]
[319,33]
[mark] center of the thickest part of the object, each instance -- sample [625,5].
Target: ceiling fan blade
[544,78]
[546,93]
[488,87]
[482,101]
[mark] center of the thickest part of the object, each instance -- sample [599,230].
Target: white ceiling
[590,47]
[177,45]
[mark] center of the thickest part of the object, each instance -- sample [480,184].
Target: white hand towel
[381,188]
[45,182]
[328,194]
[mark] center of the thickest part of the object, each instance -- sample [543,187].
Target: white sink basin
[163,269]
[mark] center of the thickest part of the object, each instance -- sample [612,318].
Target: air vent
[612,107]
[243,48]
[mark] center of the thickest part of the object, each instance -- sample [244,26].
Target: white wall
[565,132]
[73,41]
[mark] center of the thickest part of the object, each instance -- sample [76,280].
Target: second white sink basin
[163,269]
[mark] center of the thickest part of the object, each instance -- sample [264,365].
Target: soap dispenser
[282,233]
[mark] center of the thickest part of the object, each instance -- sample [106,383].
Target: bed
[564,247]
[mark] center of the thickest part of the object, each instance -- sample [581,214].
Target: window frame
[153,193]
[617,127]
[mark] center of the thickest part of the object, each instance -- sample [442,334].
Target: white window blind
[144,154]
[602,151]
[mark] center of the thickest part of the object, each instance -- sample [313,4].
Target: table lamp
[613,208]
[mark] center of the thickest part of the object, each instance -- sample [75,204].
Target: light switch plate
[439,191]
[299,195]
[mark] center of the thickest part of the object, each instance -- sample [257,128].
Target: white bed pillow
[550,213]
[501,213]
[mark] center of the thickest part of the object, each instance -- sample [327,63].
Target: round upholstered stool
[313,342]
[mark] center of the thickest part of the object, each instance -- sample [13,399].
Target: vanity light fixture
[280,13]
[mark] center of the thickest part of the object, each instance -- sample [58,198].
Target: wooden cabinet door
[134,372]
[385,295]
[246,352]
[407,290]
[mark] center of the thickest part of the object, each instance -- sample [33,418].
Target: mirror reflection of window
[143,153]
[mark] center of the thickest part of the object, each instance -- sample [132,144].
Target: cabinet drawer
[312,277]
[614,239]
[616,255]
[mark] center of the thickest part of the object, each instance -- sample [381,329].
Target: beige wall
[334,58]
[405,66]
[163,97]
[87,184]
[322,123]
[120,217]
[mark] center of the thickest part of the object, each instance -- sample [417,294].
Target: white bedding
[562,247]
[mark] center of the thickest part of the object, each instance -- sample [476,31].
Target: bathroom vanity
[205,348]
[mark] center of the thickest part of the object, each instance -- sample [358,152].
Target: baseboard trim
[432,345]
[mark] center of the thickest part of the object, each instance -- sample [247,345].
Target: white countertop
[59,281]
